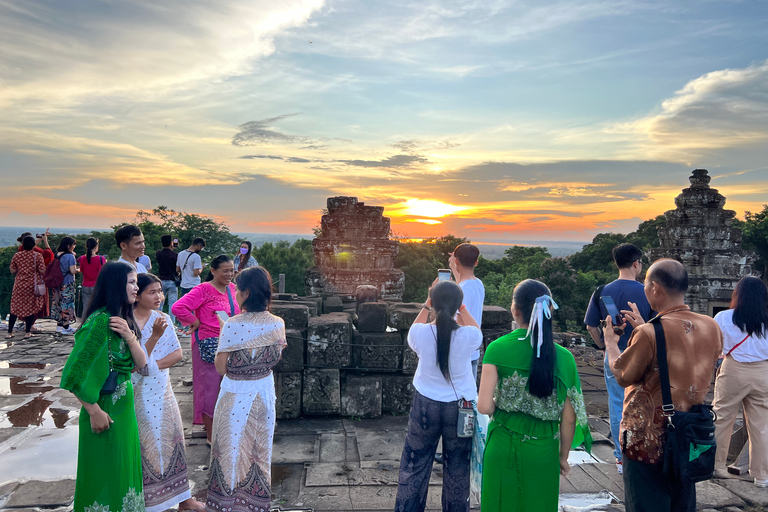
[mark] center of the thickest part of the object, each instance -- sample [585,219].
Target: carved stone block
[322,394]
[292,358]
[372,317]
[361,396]
[401,316]
[333,305]
[397,394]
[378,351]
[328,340]
[295,316]
[496,316]
[288,393]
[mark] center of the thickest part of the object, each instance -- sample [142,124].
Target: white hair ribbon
[541,308]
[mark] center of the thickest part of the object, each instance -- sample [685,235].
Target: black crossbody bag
[689,443]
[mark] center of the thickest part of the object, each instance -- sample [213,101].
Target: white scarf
[541,308]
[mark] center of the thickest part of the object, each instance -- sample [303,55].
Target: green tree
[420,261]
[755,238]
[291,260]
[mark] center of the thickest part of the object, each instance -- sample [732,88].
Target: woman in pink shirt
[198,309]
[90,266]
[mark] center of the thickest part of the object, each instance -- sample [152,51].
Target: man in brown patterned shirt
[694,343]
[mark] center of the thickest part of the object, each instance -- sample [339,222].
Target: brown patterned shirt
[694,343]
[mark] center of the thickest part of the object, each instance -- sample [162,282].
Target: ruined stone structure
[700,234]
[354,362]
[354,249]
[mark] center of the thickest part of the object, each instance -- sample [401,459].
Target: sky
[493,120]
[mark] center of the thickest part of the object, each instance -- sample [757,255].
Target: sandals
[9,336]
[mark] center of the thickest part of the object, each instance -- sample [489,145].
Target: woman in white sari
[244,420]
[161,434]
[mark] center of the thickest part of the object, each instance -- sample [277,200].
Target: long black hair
[541,380]
[215,264]
[750,306]
[446,300]
[110,294]
[64,245]
[90,244]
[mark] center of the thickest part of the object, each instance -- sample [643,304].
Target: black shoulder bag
[689,443]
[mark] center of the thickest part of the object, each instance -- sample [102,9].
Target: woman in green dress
[108,460]
[531,388]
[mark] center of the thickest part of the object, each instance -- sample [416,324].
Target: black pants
[429,420]
[30,320]
[647,489]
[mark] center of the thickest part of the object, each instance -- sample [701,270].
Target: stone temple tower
[354,249]
[700,234]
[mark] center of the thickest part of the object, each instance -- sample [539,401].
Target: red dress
[27,265]
[48,257]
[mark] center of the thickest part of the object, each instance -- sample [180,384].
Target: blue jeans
[171,295]
[615,406]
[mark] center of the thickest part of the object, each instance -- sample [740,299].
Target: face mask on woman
[243,251]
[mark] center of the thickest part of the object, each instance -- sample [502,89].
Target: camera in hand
[39,235]
[613,311]
[175,242]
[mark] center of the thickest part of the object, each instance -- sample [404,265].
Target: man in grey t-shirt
[190,266]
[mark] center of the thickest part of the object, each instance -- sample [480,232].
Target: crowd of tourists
[660,358]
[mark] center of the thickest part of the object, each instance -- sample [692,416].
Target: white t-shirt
[428,380]
[140,269]
[144,260]
[474,296]
[753,350]
[188,277]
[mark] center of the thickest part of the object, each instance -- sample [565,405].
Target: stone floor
[325,464]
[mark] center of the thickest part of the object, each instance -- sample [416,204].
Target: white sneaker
[59,329]
[761,483]
[620,467]
[721,473]
[68,330]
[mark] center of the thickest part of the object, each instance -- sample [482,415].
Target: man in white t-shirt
[190,266]
[462,263]
[130,240]
[144,260]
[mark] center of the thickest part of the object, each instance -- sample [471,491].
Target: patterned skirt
[63,304]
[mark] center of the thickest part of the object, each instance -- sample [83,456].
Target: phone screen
[613,311]
[444,274]
[223,315]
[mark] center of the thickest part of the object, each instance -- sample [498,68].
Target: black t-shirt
[166,264]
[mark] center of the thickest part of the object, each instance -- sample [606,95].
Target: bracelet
[424,306]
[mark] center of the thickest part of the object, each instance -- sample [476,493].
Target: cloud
[293,159]
[727,108]
[67,52]
[393,162]
[256,133]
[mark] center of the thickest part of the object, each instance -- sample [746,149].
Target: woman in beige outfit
[743,378]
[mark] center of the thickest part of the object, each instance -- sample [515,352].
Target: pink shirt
[202,302]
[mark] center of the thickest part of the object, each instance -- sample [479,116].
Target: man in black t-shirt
[166,271]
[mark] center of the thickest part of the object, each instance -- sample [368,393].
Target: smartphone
[612,310]
[444,274]
[223,315]
[175,242]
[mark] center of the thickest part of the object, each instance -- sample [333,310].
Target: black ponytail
[90,244]
[446,300]
[541,380]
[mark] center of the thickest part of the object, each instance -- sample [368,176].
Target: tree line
[571,279]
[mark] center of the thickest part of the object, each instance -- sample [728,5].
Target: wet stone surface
[327,464]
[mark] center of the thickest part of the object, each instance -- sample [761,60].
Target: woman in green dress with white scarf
[531,388]
[109,475]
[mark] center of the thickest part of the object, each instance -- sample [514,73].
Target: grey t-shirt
[188,262]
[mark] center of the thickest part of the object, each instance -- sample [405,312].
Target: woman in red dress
[28,267]
[48,256]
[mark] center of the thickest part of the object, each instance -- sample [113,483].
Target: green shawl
[517,409]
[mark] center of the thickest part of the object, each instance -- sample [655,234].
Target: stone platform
[322,464]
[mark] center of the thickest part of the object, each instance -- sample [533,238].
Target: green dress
[521,463]
[109,463]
